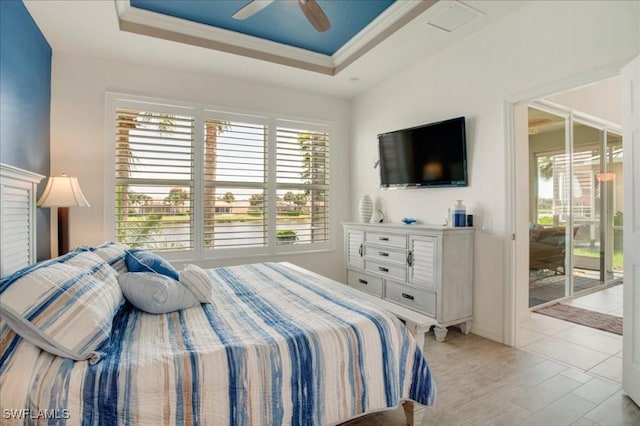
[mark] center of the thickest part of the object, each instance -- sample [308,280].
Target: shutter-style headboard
[17,218]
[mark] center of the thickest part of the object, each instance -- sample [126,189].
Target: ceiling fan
[310,8]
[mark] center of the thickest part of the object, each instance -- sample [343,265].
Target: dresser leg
[440,332]
[465,327]
[413,412]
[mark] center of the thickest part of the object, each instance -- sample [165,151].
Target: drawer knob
[361,281]
[383,238]
[382,269]
[383,254]
[407,296]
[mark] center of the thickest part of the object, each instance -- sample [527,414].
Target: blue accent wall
[25,101]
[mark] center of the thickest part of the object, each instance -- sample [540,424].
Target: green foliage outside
[545,167]
[286,236]
[140,231]
[618,258]
[545,220]
[617,219]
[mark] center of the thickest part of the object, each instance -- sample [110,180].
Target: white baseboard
[487,334]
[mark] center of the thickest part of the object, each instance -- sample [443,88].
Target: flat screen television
[431,155]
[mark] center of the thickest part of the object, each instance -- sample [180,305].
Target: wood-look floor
[481,382]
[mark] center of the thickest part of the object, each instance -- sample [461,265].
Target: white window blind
[235,184]
[302,180]
[203,182]
[154,180]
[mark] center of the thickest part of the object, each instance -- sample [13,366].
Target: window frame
[200,112]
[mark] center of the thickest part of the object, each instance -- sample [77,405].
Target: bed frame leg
[413,413]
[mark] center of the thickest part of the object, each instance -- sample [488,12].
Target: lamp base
[63,230]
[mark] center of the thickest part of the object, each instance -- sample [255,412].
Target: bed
[274,344]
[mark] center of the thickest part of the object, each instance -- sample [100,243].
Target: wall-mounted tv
[430,155]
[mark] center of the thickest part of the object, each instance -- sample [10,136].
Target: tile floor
[564,374]
[596,352]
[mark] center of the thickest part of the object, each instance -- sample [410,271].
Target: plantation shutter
[302,185]
[235,184]
[197,183]
[154,180]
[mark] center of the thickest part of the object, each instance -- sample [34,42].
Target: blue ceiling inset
[282,21]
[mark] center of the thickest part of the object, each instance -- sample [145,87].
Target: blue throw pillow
[145,261]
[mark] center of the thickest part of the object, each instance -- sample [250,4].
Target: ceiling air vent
[453,15]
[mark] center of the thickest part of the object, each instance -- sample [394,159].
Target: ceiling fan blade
[251,8]
[315,15]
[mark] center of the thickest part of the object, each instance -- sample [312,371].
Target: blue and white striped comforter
[278,346]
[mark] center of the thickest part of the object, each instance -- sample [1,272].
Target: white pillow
[155,293]
[198,282]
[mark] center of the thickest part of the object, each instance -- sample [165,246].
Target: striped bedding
[278,345]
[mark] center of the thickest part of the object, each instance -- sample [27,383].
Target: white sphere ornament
[365,208]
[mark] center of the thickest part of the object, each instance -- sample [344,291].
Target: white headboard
[17,218]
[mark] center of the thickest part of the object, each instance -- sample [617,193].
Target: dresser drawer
[365,282]
[419,300]
[386,269]
[386,239]
[386,254]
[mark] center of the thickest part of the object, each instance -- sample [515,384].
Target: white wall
[78,136]
[539,46]
[602,99]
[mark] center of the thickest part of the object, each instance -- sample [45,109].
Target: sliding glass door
[575,204]
[550,205]
[614,261]
[588,206]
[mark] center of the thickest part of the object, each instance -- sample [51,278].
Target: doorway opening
[575,203]
[568,189]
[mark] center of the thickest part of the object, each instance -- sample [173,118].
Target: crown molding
[153,24]
[388,22]
[166,27]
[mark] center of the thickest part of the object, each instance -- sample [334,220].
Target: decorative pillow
[198,282]
[534,231]
[90,261]
[65,306]
[155,293]
[145,261]
[112,253]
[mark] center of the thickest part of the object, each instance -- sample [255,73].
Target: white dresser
[428,269]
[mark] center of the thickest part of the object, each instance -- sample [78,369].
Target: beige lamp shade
[63,191]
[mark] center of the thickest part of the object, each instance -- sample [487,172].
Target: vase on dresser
[365,208]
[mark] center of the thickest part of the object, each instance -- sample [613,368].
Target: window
[235,184]
[302,186]
[204,183]
[154,180]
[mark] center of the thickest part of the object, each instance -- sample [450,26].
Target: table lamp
[63,192]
